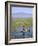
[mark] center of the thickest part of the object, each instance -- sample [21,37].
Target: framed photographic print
[20,22]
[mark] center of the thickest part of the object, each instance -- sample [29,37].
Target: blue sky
[18,12]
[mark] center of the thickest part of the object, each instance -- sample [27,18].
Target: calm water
[20,34]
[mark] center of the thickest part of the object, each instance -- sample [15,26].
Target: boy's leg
[23,34]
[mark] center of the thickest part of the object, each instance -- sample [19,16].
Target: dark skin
[23,28]
[23,32]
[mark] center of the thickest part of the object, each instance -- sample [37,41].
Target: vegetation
[27,22]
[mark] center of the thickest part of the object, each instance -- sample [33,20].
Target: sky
[21,12]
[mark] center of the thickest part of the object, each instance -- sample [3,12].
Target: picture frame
[9,10]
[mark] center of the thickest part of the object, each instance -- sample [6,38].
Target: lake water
[19,34]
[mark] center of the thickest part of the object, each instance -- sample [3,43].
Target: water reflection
[22,34]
